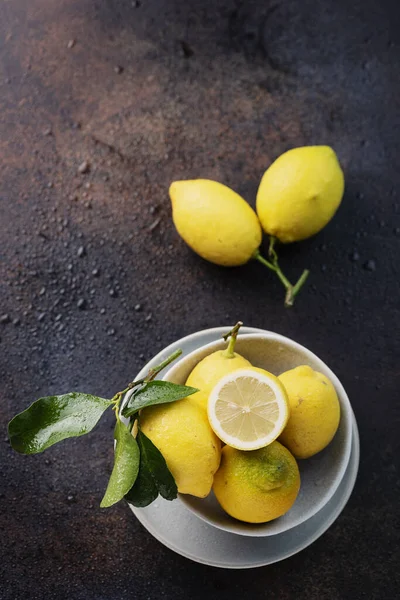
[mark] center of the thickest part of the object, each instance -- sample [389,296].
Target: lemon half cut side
[248,409]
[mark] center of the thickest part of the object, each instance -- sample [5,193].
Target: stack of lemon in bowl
[234,446]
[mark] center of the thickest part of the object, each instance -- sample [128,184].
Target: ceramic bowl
[320,475]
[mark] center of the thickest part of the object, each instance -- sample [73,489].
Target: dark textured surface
[151,91]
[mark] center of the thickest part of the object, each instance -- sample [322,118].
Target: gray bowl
[320,475]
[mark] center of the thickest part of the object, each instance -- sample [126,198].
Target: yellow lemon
[215,221]
[209,371]
[300,193]
[314,411]
[257,486]
[213,367]
[248,409]
[192,451]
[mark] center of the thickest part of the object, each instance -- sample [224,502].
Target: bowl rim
[260,530]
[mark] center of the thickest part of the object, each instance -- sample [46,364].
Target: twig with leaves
[140,472]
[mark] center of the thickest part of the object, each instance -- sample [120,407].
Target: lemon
[248,408]
[257,486]
[213,367]
[209,371]
[300,193]
[214,221]
[181,432]
[314,411]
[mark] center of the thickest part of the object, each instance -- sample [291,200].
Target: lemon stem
[273,265]
[300,282]
[155,370]
[274,268]
[230,351]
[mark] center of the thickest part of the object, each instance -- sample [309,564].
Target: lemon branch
[300,282]
[232,334]
[273,265]
[149,377]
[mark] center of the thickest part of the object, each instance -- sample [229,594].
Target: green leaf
[54,418]
[126,465]
[154,475]
[156,392]
[144,490]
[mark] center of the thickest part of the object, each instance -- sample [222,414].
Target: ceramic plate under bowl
[180,530]
[320,475]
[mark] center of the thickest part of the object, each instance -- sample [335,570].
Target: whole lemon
[214,221]
[210,370]
[314,411]
[192,451]
[259,485]
[300,193]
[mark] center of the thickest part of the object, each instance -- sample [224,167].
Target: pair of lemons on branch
[298,195]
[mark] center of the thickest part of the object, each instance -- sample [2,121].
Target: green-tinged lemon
[257,486]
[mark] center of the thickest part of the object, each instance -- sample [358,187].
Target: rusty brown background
[94,280]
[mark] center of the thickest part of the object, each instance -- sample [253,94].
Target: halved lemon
[248,409]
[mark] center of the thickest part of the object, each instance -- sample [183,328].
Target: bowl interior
[320,475]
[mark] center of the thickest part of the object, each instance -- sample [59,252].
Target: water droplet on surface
[370,265]
[354,256]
